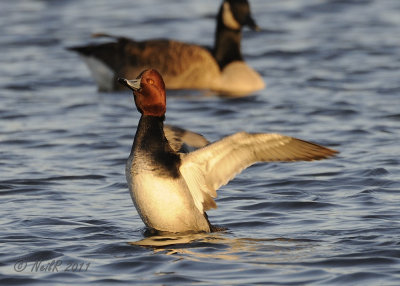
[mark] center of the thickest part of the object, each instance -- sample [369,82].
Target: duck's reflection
[218,246]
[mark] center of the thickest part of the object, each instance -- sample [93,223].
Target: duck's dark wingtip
[325,153]
[331,152]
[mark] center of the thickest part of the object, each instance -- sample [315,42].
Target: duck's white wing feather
[182,140]
[208,168]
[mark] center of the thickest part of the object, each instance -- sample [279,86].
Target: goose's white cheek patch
[227,17]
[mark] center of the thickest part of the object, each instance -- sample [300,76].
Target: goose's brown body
[182,65]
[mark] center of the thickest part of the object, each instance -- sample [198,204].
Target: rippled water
[332,70]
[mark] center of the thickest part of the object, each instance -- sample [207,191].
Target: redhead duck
[172,191]
[182,65]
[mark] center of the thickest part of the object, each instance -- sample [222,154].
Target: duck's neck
[227,44]
[150,135]
[151,145]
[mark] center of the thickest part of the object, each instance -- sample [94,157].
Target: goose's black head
[232,17]
[235,14]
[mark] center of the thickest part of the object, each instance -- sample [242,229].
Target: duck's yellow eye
[150,81]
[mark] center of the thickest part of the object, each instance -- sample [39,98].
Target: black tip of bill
[122,81]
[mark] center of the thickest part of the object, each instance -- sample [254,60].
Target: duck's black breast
[151,150]
[166,164]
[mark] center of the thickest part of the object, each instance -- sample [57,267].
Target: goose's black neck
[151,145]
[227,44]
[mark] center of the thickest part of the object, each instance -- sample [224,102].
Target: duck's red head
[149,92]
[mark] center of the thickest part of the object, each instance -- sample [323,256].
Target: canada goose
[182,65]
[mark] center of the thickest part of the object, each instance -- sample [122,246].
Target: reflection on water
[200,246]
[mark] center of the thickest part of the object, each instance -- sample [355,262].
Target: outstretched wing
[182,140]
[208,168]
